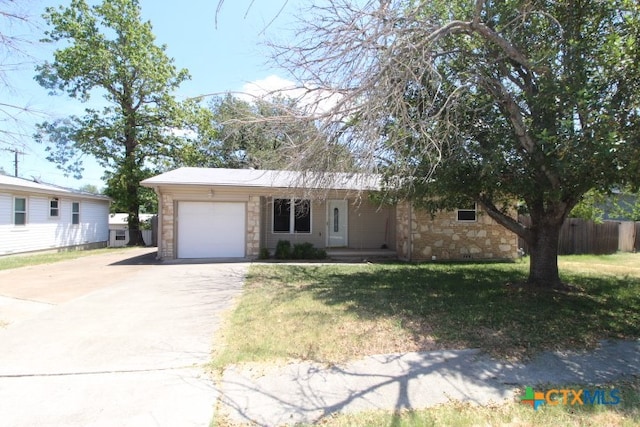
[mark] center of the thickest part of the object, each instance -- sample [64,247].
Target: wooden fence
[579,236]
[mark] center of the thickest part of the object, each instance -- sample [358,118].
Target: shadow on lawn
[471,305]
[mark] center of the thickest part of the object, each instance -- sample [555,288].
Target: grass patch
[627,264]
[333,313]
[627,413]
[16,261]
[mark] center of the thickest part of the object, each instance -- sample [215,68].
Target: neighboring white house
[35,216]
[119,229]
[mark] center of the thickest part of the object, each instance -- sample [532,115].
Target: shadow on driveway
[144,259]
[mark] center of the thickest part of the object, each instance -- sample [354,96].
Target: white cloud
[317,101]
[268,87]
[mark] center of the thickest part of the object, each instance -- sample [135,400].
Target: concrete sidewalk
[308,392]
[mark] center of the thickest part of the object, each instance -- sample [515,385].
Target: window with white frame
[75,213]
[292,216]
[54,208]
[468,213]
[121,234]
[19,211]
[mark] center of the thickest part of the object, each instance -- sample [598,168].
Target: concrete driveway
[116,340]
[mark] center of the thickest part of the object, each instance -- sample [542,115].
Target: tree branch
[505,220]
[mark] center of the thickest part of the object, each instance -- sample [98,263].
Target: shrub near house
[301,251]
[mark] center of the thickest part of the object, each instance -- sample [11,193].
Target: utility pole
[15,159]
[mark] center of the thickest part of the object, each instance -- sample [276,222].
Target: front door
[337,218]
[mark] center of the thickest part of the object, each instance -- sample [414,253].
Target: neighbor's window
[121,234]
[54,208]
[19,211]
[291,216]
[75,213]
[468,213]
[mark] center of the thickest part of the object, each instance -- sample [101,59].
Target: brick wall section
[167,228]
[253,227]
[446,238]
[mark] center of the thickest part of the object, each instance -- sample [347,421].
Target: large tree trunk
[133,205]
[135,234]
[542,237]
[543,267]
[132,173]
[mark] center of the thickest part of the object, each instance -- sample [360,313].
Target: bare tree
[15,56]
[354,64]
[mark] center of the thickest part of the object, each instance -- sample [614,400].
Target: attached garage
[211,230]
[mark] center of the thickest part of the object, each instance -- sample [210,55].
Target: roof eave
[157,184]
[53,191]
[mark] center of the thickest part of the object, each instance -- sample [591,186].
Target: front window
[54,208]
[468,213]
[20,211]
[291,216]
[75,213]
[281,215]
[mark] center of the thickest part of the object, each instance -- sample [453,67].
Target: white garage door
[211,230]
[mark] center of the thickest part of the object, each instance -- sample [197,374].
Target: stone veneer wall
[446,238]
[253,227]
[166,227]
[402,231]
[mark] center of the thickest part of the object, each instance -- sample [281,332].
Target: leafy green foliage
[533,100]
[107,50]
[577,100]
[264,253]
[283,249]
[301,251]
[118,189]
[626,206]
[497,102]
[590,207]
[263,134]
[307,251]
[620,205]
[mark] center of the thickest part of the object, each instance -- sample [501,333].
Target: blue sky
[219,59]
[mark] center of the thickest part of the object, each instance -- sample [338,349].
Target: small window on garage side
[468,213]
[291,216]
[121,234]
[20,211]
[54,208]
[75,213]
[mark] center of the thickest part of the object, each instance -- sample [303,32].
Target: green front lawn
[333,313]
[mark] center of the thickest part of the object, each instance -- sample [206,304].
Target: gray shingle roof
[265,179]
